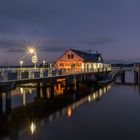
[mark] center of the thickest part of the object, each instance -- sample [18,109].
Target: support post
[1,103]
[136,81]
[75,82]
[123,77]
[38,90]
[8,102]
[106,74]
[52,88]
[44,88]
[138,73]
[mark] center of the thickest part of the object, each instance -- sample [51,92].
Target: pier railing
[7,74]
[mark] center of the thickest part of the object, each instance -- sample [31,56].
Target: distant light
[21,62]
[89,99]
[44,62]
[21,90]
[69,112]
[94,96]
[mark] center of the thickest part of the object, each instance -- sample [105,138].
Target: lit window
[61,64]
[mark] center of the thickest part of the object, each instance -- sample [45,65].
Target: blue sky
[110,26]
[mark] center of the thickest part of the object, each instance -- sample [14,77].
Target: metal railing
[7,74]
[117,70]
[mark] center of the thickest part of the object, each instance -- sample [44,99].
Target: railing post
[52,88]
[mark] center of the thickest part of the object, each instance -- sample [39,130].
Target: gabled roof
[89,57]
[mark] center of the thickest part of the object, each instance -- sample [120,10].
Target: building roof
[88,57]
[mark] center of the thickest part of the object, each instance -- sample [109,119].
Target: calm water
[112,112]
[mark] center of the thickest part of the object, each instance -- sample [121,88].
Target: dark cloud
[52,41]
[44,45]
[5,43]
[9,45]
[50,44]
[100,41]
[60,24]
[55,45]
[13,50]
[57,48]
[28,15]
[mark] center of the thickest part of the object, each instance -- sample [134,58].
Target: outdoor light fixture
[31,49]
[44,62]
[21,63]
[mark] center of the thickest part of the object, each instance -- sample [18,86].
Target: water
[115,116]
[21,96]
[110,113]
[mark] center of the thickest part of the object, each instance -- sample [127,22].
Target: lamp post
[20,70]
[21,63]
[44,62]
[32,50]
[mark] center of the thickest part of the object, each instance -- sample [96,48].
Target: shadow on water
[32,116]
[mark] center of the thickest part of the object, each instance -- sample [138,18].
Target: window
[61,64]
[68,56]
[72,56]
[72,65]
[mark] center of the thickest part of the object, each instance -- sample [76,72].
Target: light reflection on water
[26,94]
[32,127]
[68,111]
[21,96]
[111,112]
[35,126]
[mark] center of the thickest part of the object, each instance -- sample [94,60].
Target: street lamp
[32,50]
[44,62]
[21,63]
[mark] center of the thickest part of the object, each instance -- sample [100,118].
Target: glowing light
[44,62]
[32,47]
[21,62]
[31,50]
[34,59]
[69,112]
[21,90]
[89,99]
[33,128]
[94,96]
[61,80]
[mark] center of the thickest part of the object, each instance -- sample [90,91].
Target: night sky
[110,26]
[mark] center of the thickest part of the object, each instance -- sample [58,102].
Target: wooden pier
[46,79]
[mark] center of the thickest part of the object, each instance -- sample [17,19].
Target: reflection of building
[74,60]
